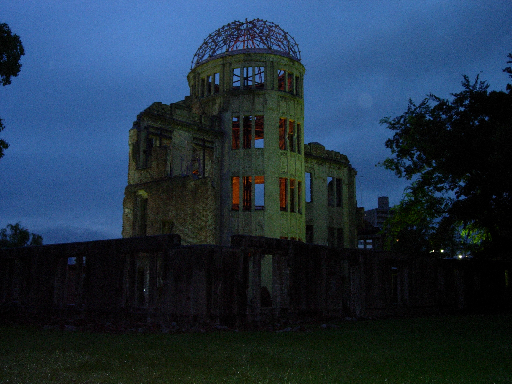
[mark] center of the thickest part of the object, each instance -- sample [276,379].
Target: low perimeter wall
[254,282]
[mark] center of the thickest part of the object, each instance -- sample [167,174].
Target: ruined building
[230,159]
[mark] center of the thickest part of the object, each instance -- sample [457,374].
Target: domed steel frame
[250,36]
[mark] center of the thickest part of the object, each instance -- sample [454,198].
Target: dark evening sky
[91,66]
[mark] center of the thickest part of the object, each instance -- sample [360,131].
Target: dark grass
[453,349]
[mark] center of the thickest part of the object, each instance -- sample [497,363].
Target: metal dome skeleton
[250,36]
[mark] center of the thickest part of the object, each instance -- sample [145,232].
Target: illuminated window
[236,78]
[281,79]
[291,146]
[283,193]
[290,82]
[247,132]
[216,83]
[298,138]
[309,187]
[258,132]
[292,195]
[248,77]
[259,77]
[282,134]
[259,192]
[235,132]
[235,193]
[247,190]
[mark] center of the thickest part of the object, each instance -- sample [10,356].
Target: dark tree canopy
[11,51]
[458,152]
[16,236]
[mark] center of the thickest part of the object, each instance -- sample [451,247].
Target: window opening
[338,193]
[209,85]
[236,78]
[280,79]
[248,80]
[259,77]
[330,237]
[291,146]
[247,131]
[202,87]
[266,281]
[299,196]
[247,190]
[297,85]
[290,82]
[299,138]
[235,133]
[309,188]
[339,237]
[216,83]
[142,215]
[259,192]
[235,193]
[283,195]
[258,132]
[330,191]
[282,133]
[292,195]
[309,233]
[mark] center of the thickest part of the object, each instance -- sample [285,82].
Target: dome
[250,36]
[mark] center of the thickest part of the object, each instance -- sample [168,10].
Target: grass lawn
[453,349]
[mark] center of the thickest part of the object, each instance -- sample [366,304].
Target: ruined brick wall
[181,205]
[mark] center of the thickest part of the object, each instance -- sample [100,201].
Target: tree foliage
[11,51]
[457,155]
[17,236]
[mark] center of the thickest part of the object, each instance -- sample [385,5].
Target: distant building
[230,159]
[377,216]
[368,235]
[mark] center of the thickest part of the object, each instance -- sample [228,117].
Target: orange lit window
[235,133]
[291,147]
[247,131]
[235,193]
[258,132]
[247,189]
[282,134]
[283,195]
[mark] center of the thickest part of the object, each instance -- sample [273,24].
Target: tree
[16,236]
[11,51]
[457,154]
